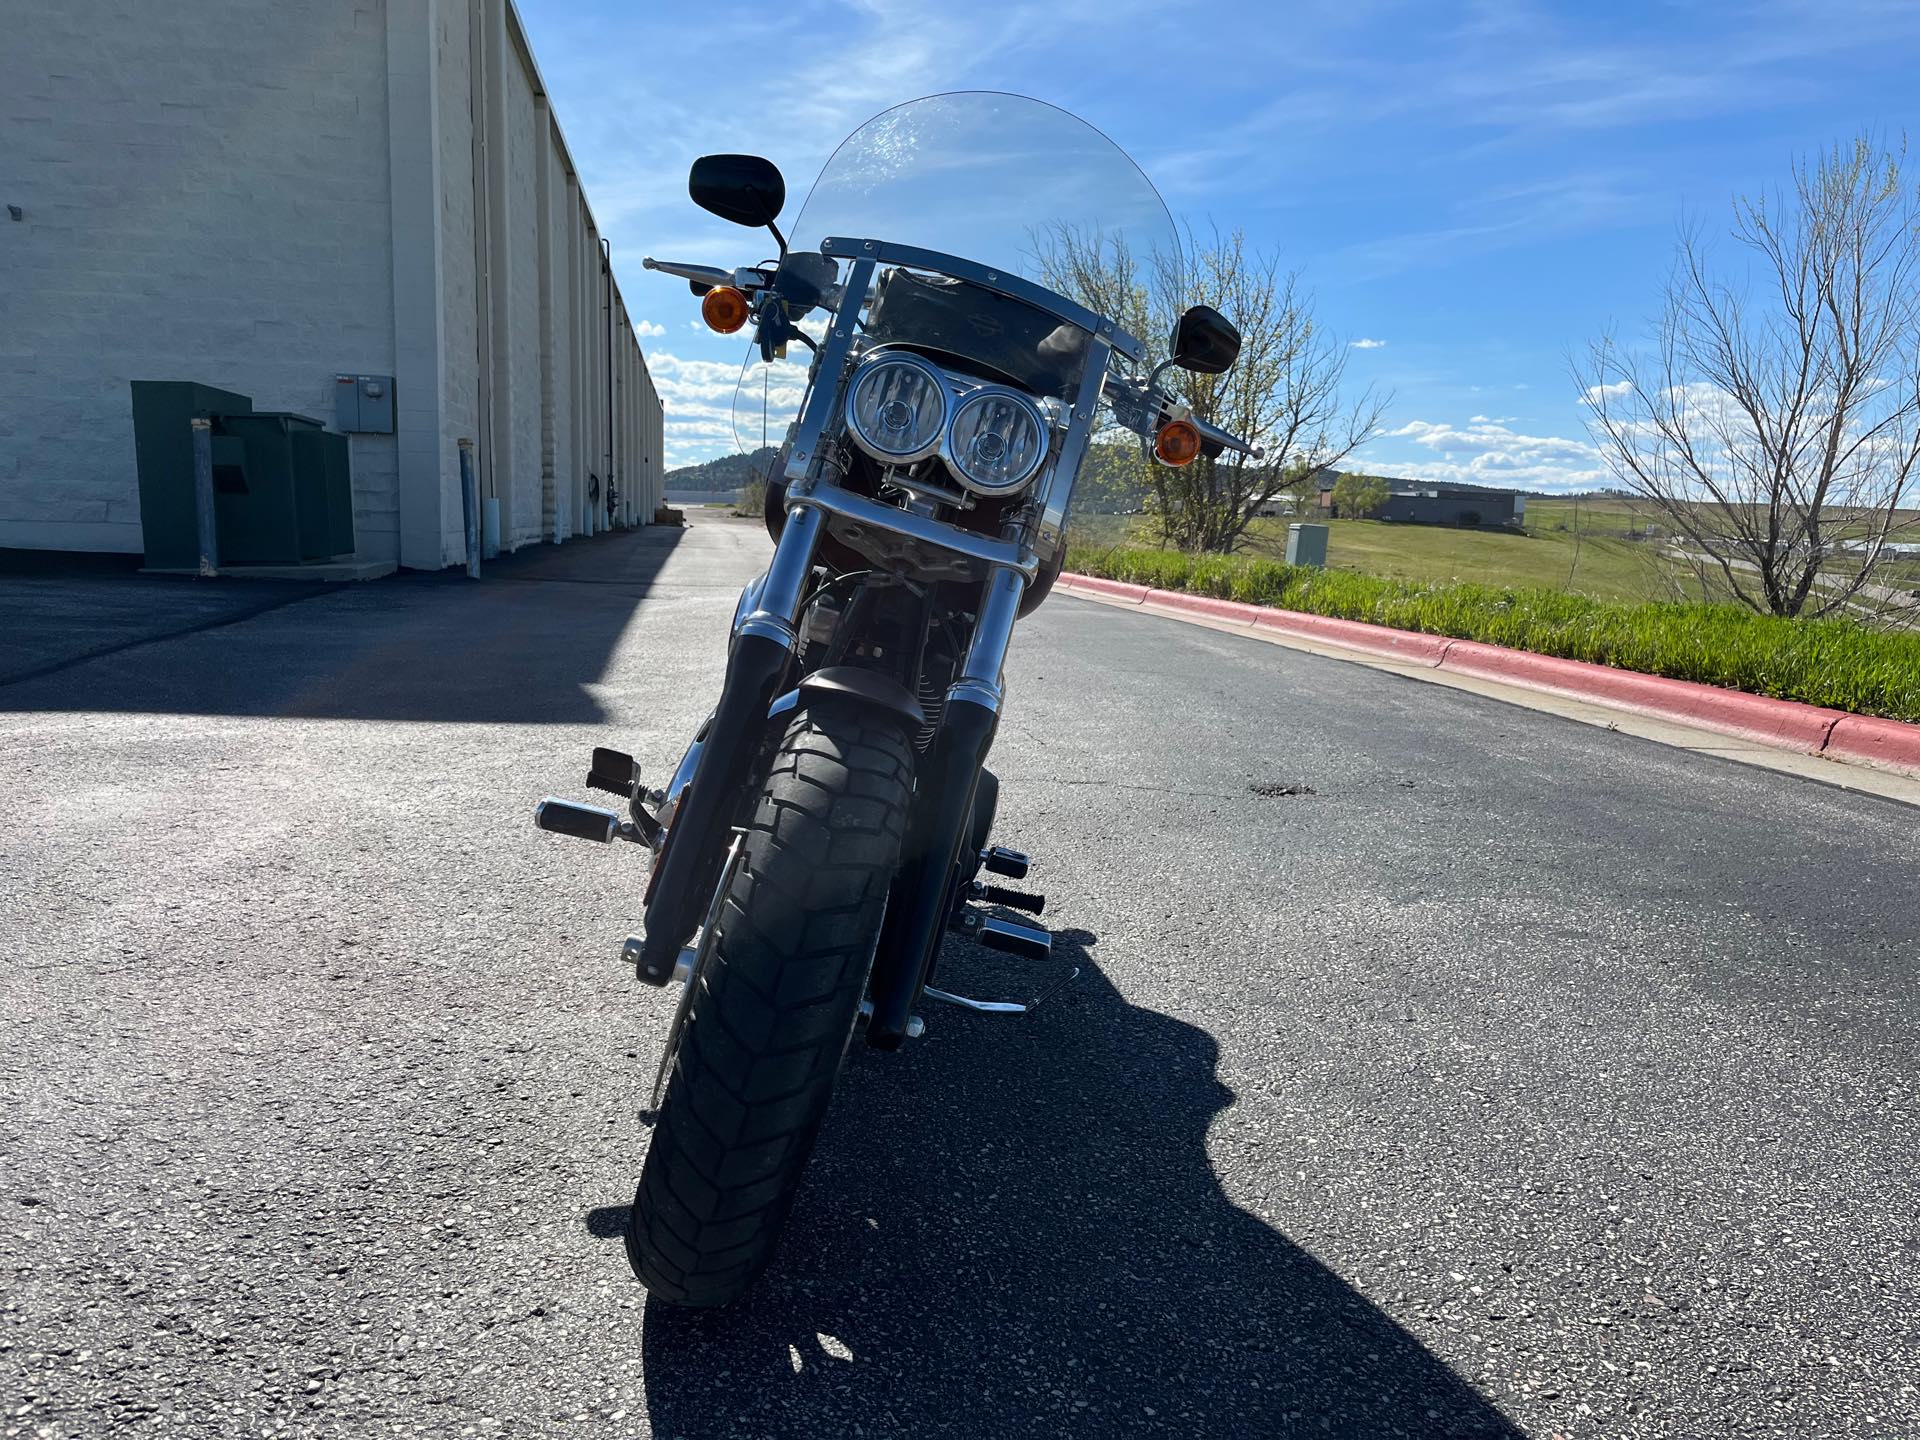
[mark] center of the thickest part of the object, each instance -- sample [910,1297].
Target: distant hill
[729,472]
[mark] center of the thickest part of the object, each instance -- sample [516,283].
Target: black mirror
[1204,341]
[742,188]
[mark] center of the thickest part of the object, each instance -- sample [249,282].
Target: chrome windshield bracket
[1057,497]
[824,400]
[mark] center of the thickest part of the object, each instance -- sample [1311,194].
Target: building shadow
[1016,1229]
[521,646]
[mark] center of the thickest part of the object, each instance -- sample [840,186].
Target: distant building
[1428,502]
[1417,503]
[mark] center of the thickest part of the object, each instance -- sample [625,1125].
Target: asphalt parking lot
[1437,1067]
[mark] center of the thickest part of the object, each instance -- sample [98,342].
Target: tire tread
[776,1003]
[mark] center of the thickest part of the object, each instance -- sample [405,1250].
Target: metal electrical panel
[1307,545]
[363,403]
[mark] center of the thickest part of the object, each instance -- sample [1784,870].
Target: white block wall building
[261,197]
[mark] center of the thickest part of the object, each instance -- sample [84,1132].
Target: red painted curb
[1787,724]
[1094,585]
[1868,737]
[1358,635]
[1732,712]
[1235,610]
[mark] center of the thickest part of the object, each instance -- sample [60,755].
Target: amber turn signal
[725,309]
[1176,444]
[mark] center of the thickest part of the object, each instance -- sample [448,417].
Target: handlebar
[1146,402]
[710,275]
[1226,440]
[699,274]
[1142,409]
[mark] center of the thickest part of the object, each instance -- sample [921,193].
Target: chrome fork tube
[777,606]
[979,678]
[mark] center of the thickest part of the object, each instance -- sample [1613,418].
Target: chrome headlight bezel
[950,450]
[942,387]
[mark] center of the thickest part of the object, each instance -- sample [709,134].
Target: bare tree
[1284,393]
[1777,434]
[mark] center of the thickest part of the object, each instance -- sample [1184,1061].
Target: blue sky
[1473,191]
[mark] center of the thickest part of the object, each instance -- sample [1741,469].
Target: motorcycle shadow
[1016,1230]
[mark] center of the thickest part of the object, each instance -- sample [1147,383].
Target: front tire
[770,1011]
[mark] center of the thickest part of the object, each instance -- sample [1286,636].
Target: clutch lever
[711,275]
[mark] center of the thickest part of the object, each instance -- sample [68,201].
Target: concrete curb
[1784,724]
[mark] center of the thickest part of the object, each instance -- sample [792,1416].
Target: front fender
[865,687]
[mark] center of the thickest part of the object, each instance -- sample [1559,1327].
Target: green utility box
[326,494]
[288,501]
[163,413]
[1307,545]
[283,491]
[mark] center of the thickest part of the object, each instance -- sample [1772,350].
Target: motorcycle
[831,820]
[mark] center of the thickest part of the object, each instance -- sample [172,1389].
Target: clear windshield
[1002,180]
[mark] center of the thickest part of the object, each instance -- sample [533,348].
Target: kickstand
[1005,1007]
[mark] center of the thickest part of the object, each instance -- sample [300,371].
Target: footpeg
[1012,899]
[1029,942]
[582,822]
[1001,861]
[590,822]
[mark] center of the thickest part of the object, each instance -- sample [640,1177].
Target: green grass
[1586,551]
[1834,663]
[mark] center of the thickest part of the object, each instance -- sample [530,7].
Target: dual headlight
[902,409]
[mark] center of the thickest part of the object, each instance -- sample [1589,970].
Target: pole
[470,502]
[606,270]
[203,495]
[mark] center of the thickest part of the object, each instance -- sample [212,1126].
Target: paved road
[1513,1077]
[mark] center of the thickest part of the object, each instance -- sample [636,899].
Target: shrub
[1835,663]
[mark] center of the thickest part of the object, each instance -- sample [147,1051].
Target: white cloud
[699,399]
[646,329]
[1366,344]
[1486,452]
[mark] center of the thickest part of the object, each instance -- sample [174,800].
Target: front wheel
[770,1011]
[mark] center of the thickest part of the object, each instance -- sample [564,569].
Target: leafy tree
[1357,496]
